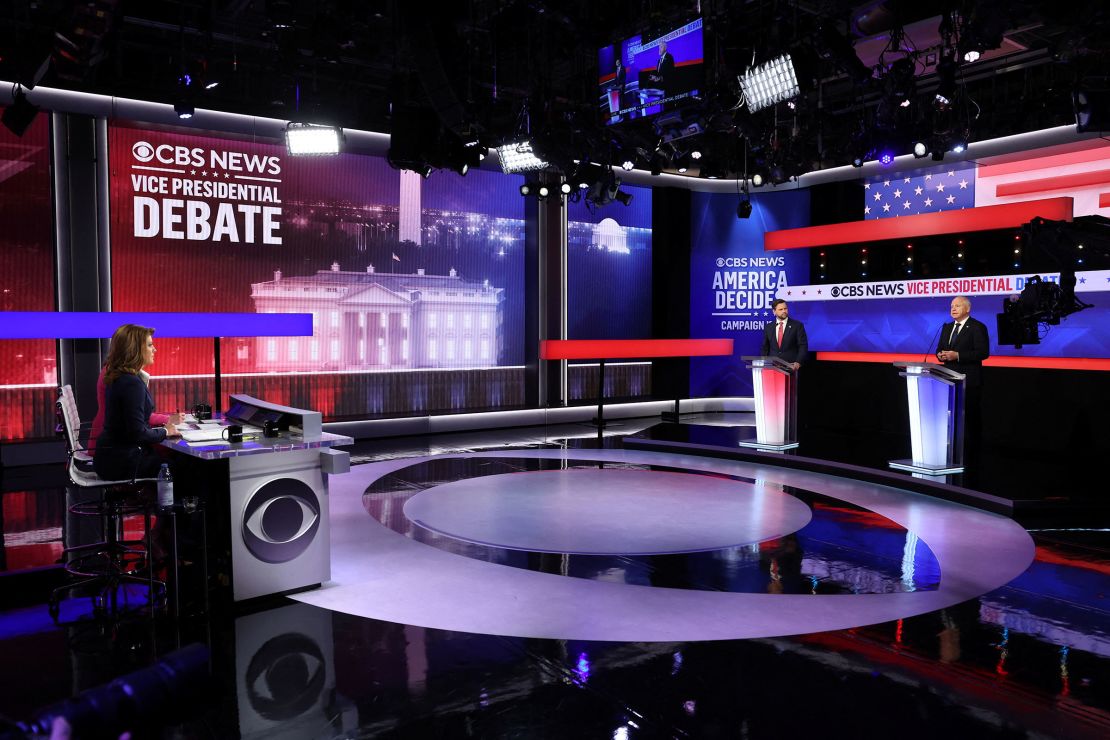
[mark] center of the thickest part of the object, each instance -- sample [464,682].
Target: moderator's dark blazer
[974,346]
[122,450]
[795,345]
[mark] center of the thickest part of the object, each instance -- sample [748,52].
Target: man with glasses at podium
[785,337]
[963,346]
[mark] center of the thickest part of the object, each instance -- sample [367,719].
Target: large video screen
[415,286]
[640,76]
[28,368]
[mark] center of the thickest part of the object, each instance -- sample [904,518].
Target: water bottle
[165,487]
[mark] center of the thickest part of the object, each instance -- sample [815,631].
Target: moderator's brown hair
[125,354]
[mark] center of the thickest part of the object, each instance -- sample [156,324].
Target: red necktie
[781,325]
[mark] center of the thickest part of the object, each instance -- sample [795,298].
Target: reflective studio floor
[544,583]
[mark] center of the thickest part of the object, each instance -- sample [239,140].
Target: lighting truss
[519,157]
[769,83]
[306,139]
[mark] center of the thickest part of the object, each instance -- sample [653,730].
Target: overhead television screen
[642,76]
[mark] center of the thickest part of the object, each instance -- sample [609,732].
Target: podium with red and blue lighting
[936,404]
[775,393]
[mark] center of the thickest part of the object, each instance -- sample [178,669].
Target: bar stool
[104,566]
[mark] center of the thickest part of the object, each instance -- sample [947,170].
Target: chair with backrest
[113,561]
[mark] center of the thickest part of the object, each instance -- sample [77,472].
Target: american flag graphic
[929,190]
[1080,170]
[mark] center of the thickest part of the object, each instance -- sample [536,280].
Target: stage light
[682,169]
[307,139]
[920,150]
[627,164]
[744,208]
[1092,110]
[623,197]
[18,116]
[769,83]
[565,188]
[886,158]
[519,157]
[184,111]
[857,161]
[695,154]
[543,191]
[971,55]
[959,147]
[525,189]
[946,83]
[757,180]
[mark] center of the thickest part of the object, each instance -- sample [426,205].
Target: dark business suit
[123,450]
[795,345]
[664,70]
[974,345]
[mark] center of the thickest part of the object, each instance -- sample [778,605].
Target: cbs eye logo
[142,151]
[281,520]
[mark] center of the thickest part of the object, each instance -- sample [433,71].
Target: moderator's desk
[272,534]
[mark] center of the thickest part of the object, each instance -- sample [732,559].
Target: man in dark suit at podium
[964,343]
[785,337]
[963,346]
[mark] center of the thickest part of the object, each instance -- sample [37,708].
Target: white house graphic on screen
[381,321]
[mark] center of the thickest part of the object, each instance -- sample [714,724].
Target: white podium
[936,404]
[775,387]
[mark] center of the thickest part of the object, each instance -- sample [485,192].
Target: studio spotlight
[972,55]
[757,180]
[769,83]
[519,157]
[525,189]
[744,208]
[307,140]
[627,165]
[1092,110]
[565,188]
[623,197]
[920,150]
[886,158]
[857,161]
[184,111]
[682,169]
[543,191]
[695,154]
[959,144]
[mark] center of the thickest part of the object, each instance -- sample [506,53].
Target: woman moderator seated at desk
[124,449]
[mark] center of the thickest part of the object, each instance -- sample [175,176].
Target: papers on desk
[205,434]
[212,433]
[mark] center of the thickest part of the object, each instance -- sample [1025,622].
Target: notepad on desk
[208,434]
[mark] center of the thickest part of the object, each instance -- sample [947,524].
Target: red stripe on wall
[1051,157]
[1063,182]
[1003,216]
[614,349]
[1050,363]
[1104,200]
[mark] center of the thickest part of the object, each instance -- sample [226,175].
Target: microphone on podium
[934,344]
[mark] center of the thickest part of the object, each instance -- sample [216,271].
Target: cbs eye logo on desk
[281,520]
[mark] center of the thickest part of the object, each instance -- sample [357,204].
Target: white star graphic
[878,196]
[886,207]
[897,193]
[917,190]
[867,186]
[906,181]
[867,209]
[205,173]
[940,188]
[928,177]
[951,199]
[192,172]
[963,184]
[951,173]
[928,202]
[886,183]
[906,205]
